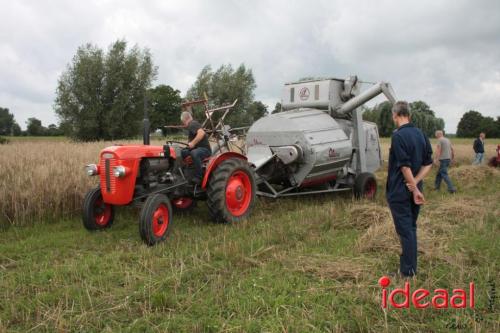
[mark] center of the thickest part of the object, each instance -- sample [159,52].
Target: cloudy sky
[446,53]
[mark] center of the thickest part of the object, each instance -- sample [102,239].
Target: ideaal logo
[422,298]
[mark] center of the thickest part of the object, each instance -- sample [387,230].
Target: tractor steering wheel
[178,142]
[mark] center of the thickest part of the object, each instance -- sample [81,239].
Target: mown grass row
[298,265]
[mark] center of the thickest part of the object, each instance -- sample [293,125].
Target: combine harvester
[317,144]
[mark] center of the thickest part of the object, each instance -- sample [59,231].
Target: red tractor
[157,179]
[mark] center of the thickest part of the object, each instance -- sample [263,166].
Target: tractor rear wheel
[97,214]
[365,186]
[231,191]
[155,219]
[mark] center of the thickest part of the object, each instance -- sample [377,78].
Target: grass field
[297,265]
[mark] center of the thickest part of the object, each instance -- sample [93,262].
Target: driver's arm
[200,134]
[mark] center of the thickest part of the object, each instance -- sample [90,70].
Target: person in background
[479,148]
[443,157]
[410,160]
[198,145]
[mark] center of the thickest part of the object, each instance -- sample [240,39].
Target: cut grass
[305,264]
[295,266]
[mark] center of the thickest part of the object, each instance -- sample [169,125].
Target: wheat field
[45,179]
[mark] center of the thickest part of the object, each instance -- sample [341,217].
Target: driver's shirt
[193,128]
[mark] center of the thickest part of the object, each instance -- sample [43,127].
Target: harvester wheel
[231,191]
[97,214]
[155,219]
[365,186]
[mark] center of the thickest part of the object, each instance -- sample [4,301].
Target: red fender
[215,161]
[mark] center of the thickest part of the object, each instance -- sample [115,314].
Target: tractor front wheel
[97,214]
[365,186]
[155,219]
[231,191]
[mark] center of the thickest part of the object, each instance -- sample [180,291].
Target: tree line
[421,115]
[34,127]
[102,95]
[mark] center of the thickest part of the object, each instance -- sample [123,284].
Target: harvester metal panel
[326,148]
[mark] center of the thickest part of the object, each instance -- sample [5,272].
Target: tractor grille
[108,180]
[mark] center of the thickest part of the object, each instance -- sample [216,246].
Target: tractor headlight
[119,171]
[92,170]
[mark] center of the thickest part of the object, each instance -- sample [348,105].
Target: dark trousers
[197,154]
[405,214]
[442,174]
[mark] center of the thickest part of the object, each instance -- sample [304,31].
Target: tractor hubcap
[238,193]
[102,213]
[160,220]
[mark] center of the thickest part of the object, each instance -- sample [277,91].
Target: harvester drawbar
[317,144]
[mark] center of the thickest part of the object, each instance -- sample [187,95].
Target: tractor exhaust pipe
[146,123]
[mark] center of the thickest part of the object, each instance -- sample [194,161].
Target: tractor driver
[198,145]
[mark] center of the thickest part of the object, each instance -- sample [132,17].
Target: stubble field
[306,264]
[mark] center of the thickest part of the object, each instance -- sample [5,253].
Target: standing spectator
[479,148]
[410,160]
[444,156]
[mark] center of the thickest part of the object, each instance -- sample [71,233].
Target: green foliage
[16,129]
[421,107]
[3,140]
[164,107]
[101,95]
[223,87]
[34,127]
[473,122]
[421,115]
[469,124]
[7,122]
[257,110]
[385,123]
[277,108]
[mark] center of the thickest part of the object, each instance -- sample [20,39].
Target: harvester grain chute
[318,143]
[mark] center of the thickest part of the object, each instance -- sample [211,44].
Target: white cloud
[446,53]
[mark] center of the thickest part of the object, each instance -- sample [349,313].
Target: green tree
[257,110]
[6,121]
[164,107]
[16,129]
[53,130]
[421,106]
[224,86]
[277,108]
[385,122]
[34,127]
[101,95]
[469,125]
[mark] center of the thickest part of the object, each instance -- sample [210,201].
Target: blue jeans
[479,158]
[405,215]
[442,174]
[197,154]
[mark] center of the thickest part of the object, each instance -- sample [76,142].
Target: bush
[3,140]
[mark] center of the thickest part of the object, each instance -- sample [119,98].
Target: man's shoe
[453,191]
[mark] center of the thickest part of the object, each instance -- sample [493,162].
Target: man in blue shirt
[410,160]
